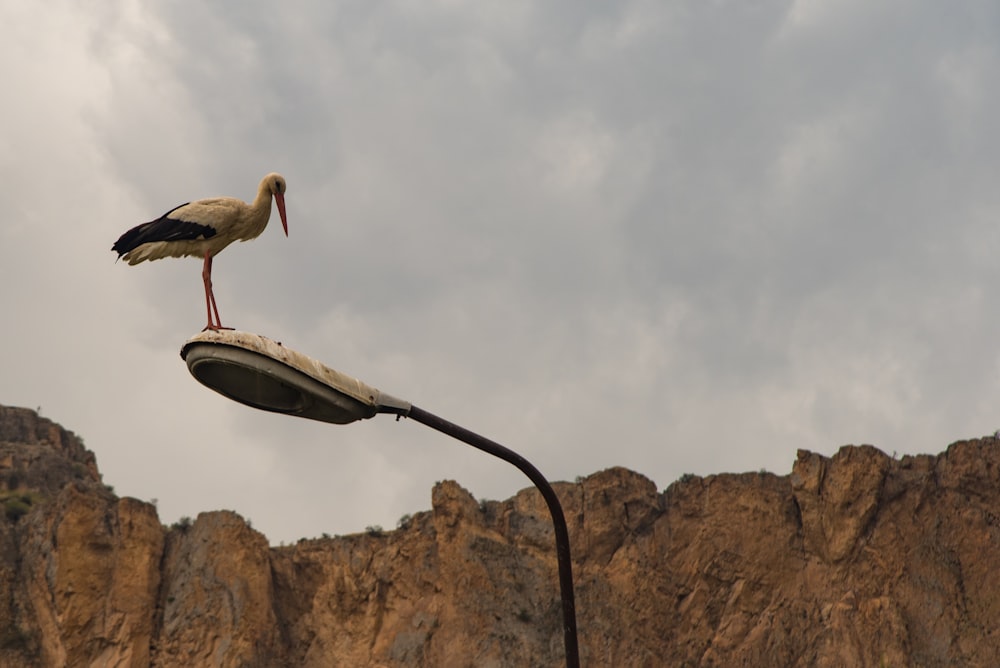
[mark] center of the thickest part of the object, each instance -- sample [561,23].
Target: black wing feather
[163,228]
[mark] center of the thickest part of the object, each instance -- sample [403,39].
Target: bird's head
[276,184]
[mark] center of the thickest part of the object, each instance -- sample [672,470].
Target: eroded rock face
[91,569]
[217,598]
[838,497]
[856,559]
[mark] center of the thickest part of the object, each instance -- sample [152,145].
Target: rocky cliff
[859,559]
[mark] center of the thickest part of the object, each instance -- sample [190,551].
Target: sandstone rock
[91,568]
[217,598]
[857,559]
[838,497]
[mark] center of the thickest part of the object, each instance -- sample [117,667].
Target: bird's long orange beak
[279,199]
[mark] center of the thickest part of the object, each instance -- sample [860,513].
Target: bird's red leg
[215,309]
[206,277]
[210,306]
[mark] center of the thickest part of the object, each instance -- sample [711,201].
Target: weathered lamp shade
[264,374]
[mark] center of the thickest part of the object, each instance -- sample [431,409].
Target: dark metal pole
[558,519]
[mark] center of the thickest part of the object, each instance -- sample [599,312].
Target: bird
[203,229]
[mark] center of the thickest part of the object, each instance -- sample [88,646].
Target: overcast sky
[676,236]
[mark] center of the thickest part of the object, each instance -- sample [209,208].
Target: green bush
[182,525]
[16,508]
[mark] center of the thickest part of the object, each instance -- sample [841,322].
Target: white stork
[203,229]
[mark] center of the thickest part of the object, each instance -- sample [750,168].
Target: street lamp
[264,374]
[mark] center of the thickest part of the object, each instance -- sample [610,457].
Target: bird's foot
[215,328]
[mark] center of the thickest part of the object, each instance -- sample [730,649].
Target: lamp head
[261,373]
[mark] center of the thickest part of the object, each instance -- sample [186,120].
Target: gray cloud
[676,237]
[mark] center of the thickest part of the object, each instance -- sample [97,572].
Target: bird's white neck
[263,200]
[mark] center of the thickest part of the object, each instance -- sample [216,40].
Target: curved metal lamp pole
[261,373]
